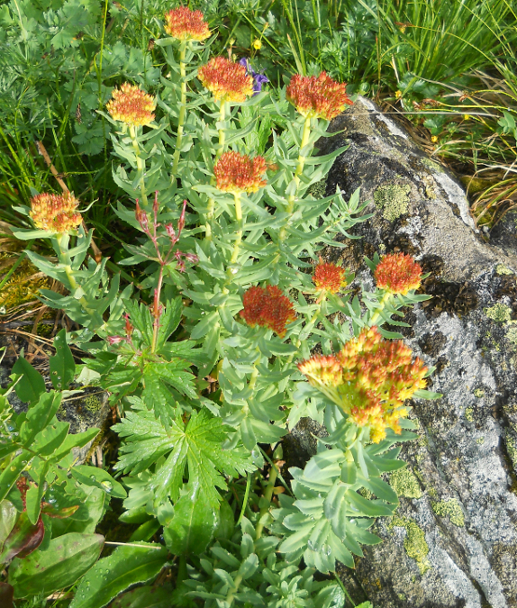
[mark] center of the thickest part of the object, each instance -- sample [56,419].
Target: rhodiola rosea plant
[235,331]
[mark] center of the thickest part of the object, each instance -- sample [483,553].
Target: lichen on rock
[499,313]
[405,483]
[393,200]
[451,509]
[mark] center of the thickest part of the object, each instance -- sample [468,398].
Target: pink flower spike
[191,257]
[155,205]
[141,218]
[115,339]
[181,222]
[169,228]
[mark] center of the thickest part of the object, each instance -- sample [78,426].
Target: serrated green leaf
[195,446]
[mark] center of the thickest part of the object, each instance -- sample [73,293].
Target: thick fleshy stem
[238,240]
[140,165]
[268,495]
[298,172]
[377,313]
[183,108]
[218,154]
[62,241]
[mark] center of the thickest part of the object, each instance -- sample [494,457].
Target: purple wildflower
[258,79]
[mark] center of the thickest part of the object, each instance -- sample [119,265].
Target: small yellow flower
[257,44]
[466,117]
[434,139]
[398,94]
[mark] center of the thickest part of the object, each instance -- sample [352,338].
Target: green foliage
[42,553]
[193,449]
[204,396]
[123,568]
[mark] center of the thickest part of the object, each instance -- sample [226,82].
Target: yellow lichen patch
[502,269]
[468,414]
[499,313]
[479,392]
[452,510]
[405,483]
[393,200]
[23,286]
[415,544]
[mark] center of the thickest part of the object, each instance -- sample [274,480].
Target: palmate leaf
[192,449]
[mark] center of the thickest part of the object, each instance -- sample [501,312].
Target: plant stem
[299,170]
[238,240]
[64,259]
[268,494]
[156,324]
[183,108]
[220,149]
[384,300]
[140,165]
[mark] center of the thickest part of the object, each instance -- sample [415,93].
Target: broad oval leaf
[112,575]
[65,560]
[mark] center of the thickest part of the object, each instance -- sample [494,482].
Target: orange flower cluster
[329,277]
[184,24]
[371,378]
[268,308]
[398,273]
[131,105]
[236,172]
[317,96]
[228,81]
[55,212]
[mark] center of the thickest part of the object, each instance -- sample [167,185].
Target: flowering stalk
[219,153]
[62,241]
[183,107]
[387,296]
[140,164]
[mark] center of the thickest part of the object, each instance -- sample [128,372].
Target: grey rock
[504,234]
[83,411]
[453,541]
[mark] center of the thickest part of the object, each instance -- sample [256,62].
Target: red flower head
[372,378]
[228,81]
[329,277]
[268,308]
[398,273]
[236,172]
[318,96]
[131,105]
[55,212]
[184,24]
